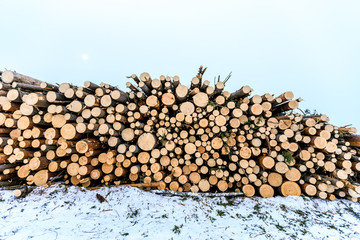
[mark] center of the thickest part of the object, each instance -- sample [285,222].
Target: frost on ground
[62,212]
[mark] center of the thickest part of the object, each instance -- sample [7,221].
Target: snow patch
[69,212]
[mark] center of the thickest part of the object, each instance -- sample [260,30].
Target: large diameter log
[318,142]
[75,106]
[25,123]
[10,76]
[275,179]
[245,152]
[290,188]
[6,177]
[53,96]
[27,110]
[256,109]
[68,131]
[187,108]
[6,166]
[23,171]
[248,190]
[146,142]
[293,174]
[152,101]
[220,120]
[42,177]
[222,185]
[201,99]
[204,185]
[266,162]
[266,190]
[168,99]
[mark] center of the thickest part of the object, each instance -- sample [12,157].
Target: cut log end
[290,188]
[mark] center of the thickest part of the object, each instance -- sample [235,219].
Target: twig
[227,78]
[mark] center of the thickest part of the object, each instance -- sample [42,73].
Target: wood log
[248,190]
[187,108]
[87,145]
[11,76]
[38,163]
[290,188]
[201,99]
[68,131]
[42,177]
[146,141]
[354,140]
[266,190]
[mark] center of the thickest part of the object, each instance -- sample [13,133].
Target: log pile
[164,134]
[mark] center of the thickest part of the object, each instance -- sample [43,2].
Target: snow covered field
[62,212]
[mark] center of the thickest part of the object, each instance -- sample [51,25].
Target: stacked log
[167,135]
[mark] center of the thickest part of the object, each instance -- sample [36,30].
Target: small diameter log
[201,99]
[242,92]
[119,96]
[354,140]
[181,93]
[54,166]
[309,189]
[20,192]
[87,145]
[38,163]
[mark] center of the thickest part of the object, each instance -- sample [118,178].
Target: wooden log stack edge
[166,135]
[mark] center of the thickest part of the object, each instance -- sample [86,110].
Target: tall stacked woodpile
[164,134]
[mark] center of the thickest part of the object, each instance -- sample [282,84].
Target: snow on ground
[63,212]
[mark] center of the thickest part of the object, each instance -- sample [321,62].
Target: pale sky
[309,47]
